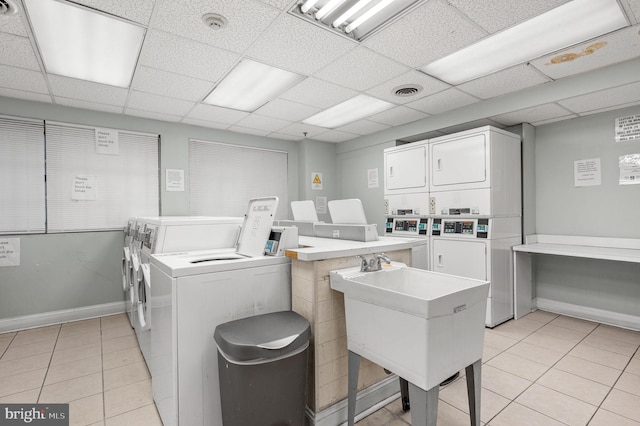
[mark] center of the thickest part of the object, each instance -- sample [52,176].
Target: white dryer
[194,292]
[479,248]
[174,234]
[133,269]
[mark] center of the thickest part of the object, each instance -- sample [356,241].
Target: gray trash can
[262,364]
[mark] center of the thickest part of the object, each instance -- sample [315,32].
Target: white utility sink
[424,326]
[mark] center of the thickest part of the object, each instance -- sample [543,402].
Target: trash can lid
[263,336]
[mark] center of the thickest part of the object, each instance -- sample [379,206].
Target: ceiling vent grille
[8,7]
[407,90]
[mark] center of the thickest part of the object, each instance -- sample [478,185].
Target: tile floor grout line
[53,350]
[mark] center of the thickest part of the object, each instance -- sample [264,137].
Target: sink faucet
[374,264]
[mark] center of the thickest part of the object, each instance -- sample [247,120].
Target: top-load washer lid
[257,225]
[304,211]
[347,212]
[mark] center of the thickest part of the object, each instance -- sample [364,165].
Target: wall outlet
[386,206]
[432,205]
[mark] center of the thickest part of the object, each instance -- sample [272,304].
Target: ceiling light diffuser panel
[352,110]
[569,24]
[81,43]
[354,18]
[250,85]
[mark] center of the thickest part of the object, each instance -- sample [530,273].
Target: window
[224,177]
[22,172]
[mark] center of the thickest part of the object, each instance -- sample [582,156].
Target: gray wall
[317,157]
[73,270]
[607,210]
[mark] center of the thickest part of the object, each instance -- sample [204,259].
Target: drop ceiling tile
[21,94]
[363,127]
[318,93]
[618,46]
[531,115]
[152,115]
[426,34]
[216,114]
[280,4]
[495,15]
[429,85]
[249,131]
[335,136]
[158,104]
[14,24]
[261,122]
[634,6]
[21,79]
[75,103]
[603,99]
[16,51]
[205,123]
[611,108]
[553,120]
[398,115]
[184,17]
[299,46]
[134,10]
[299,130]
[179,55]
[470,125]
[361,69]
[443,101]
[169,84]
[505,81]
[87,91]
[287,110]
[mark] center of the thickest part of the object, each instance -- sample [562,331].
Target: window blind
[22,171]
[224,177]
[89,190]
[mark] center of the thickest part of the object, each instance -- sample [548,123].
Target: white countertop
[617,249]
[313,248]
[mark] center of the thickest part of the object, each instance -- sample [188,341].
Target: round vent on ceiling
[8,7]
[407,90]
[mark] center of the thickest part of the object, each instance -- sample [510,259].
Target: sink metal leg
[354,370]
[473,373]
[424,405]
[404,394]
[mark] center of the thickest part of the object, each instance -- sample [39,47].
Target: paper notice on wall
[9,251]
[83,188]
[587,172]
[628,128]
[107,141]
[321,205]
[372,178]
[316,181]
[175,180]
[630,169]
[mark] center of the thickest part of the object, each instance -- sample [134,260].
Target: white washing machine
[194,292]
[133,269]
[126,267]
[479,248]
[411,227]
[174,234]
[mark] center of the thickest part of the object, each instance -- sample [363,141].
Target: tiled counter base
[313,298]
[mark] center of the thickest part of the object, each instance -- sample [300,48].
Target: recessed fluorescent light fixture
[250,85]
[572,23]
[354,109]
[354,18]
[82,43]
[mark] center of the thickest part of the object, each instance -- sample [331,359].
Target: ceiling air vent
[8,7]
[407,90]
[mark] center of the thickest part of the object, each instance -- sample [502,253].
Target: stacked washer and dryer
[465,188]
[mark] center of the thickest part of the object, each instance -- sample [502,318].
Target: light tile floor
[543,369]
[94,365]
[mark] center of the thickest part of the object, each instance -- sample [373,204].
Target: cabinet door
[458,257]
[459,161]
[406,168]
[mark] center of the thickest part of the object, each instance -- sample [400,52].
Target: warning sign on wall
[628,128]
[316,180]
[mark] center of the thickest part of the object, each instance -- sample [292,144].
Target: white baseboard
[368,400]
[592,314]
[57,317]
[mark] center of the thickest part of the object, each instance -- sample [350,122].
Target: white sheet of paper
[587,172]
[630,169]
[9,251]
[83,188]
[107,141]
[174,180]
